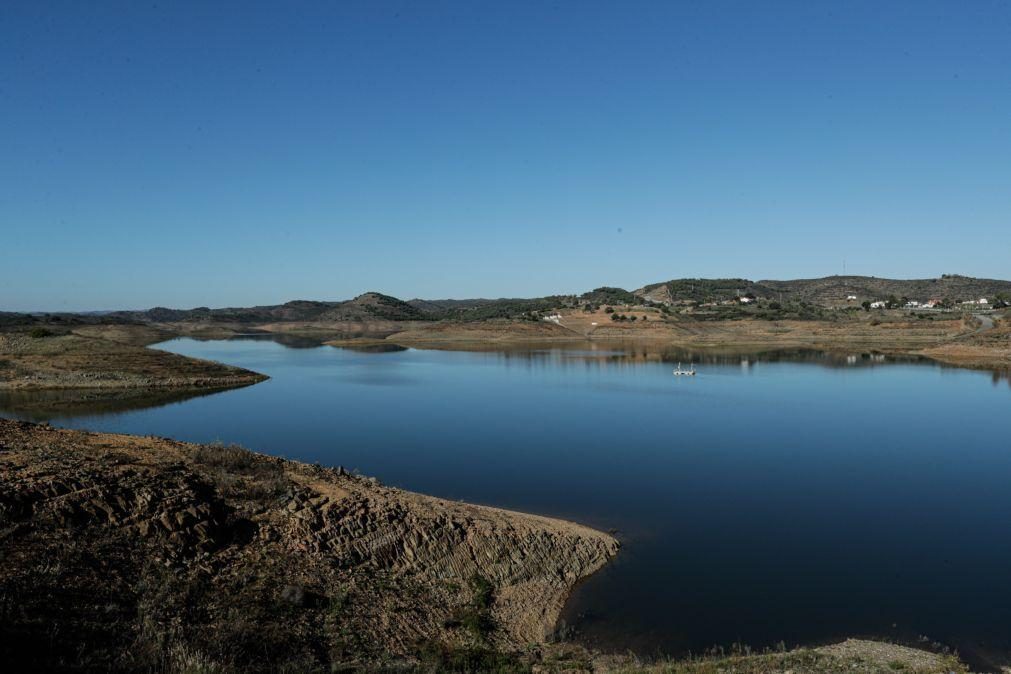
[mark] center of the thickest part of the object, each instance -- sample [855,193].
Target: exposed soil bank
[132,553]
[108,357]
[954,341]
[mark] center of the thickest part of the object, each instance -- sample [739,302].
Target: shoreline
[344,538]
[125,357]
[116,359]
[294,547]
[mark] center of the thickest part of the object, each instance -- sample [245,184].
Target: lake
[795,497]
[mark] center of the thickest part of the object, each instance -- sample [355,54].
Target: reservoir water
[777,497]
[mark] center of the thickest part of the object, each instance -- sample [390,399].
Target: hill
[373,305]
[828,290]
[370,305]
[608,295]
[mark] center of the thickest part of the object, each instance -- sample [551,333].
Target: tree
[866,304]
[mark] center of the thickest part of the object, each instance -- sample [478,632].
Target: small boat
[690,372]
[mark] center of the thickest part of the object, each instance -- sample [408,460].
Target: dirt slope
[131,553]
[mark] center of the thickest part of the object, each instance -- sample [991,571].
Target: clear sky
[199,153]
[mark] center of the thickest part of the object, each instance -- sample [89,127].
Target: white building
[878,305]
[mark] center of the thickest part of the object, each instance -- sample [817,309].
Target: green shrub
[40,332]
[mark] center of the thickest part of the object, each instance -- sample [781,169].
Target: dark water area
[797,497]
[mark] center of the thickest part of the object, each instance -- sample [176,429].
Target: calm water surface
[779,497]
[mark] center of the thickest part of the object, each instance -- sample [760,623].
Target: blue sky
[188,154]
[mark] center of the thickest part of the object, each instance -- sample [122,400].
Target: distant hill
[484,309]
[368,306]
[828,290]
[373,305]
[699,290]
[608,295]
[441,306]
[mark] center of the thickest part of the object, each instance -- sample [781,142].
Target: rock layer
[124,552]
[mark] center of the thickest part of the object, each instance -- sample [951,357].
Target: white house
[745,300]
[983,301]
[878,305]
[851,298]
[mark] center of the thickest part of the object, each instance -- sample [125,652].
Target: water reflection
[71,403]
[630,355]
[52,404]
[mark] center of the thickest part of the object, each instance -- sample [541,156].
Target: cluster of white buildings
[930,304]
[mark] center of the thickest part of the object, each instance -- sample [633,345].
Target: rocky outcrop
[532,562]
[123,552]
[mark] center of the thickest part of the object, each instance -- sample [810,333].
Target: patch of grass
[801,661]
[439,657]
[234,458]
[267,487]
[476,616]
[39,333]
[241,474]
[338,603]
[484,591]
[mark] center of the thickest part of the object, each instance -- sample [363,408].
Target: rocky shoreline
[123,552]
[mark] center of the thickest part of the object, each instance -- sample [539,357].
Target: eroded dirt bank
[955,341]
[107,357]
[129,553]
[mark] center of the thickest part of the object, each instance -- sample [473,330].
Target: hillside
[698,290]
[828,290]
[370,305]
[373,306]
